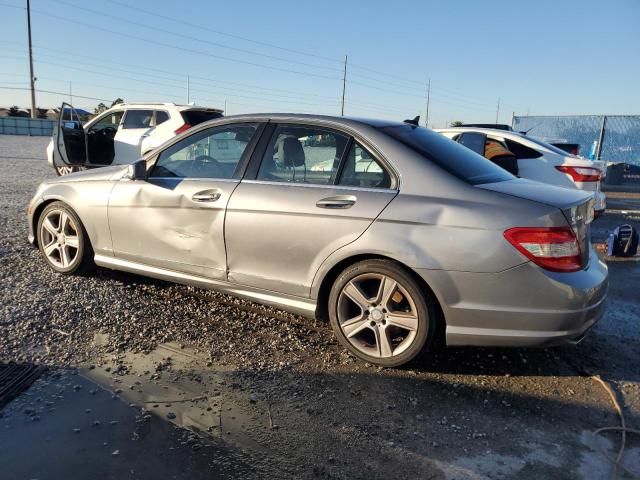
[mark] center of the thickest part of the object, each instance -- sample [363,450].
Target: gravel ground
[461,413]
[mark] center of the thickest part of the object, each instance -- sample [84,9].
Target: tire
[63,241]
[374,300]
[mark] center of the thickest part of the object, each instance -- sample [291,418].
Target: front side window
[138,119]
[110,120]
[212,153]
[303,154]
[362,170]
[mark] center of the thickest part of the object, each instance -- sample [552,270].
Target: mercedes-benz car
[433,243]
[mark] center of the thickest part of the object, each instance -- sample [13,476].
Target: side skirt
[297,305]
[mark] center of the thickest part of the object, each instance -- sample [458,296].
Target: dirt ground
[201,385]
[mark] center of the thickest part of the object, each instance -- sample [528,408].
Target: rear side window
[301,154]
[362,170]
[161,117]
[195,117]
[449,155]
[521,151]
[137,119]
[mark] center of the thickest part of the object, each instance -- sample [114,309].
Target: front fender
[89,200]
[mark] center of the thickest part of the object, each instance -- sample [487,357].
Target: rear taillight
[581,174]
[554,248]
[183,128]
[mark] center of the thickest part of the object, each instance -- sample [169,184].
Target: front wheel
[63,240]
[380,313]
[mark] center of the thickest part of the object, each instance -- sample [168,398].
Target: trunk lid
[577,206]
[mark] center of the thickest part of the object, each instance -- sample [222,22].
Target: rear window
[449,155]
[195,117]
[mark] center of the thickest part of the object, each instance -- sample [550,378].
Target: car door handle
[339,201]
[206,196]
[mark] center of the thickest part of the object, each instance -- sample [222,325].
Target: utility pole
[225,107]
[34,113]
[426,117]
[344,86]
[71,93]
[188,90]
[498,111]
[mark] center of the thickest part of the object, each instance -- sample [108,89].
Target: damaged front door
[70,139]
[175,218]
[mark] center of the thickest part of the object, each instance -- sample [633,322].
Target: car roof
[488,131]
[338,120]
[178,106]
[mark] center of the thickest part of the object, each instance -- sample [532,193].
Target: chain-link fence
[614,138]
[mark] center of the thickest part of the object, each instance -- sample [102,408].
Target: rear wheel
[63,240]
[380,313]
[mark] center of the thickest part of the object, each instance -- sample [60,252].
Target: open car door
[70,139]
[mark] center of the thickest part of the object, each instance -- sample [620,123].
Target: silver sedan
[396,235]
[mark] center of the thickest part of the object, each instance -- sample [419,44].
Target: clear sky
[539,57]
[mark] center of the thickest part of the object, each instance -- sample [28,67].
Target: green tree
[13,111]
[117,101]
[456,123]
[100,108]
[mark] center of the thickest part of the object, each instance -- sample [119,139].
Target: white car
[537,160]
[120,135]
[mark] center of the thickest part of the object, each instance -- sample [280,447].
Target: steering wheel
[202,165]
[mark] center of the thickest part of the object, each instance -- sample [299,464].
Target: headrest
[291,153]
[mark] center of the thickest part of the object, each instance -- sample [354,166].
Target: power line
[416,95]
[65,94]
[219,32]
[292,95]
[197,39]
[184,49]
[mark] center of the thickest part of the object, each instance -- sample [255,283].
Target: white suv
[120,135]
[535,159]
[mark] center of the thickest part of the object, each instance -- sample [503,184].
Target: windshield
[452,157]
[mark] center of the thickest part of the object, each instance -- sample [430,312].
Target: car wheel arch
[36,217]
[40,208]
[327,281]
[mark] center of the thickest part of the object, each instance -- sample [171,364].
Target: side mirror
[137,170]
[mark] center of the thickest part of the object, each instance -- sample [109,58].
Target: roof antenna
[415,121]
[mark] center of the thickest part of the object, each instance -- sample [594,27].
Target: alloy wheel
[59,237]
[377,315]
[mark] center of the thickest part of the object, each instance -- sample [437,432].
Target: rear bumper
[525,306]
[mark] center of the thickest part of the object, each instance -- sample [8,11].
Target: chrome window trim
[198,179]
[319,185]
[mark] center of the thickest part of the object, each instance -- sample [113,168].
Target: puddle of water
[172,383]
